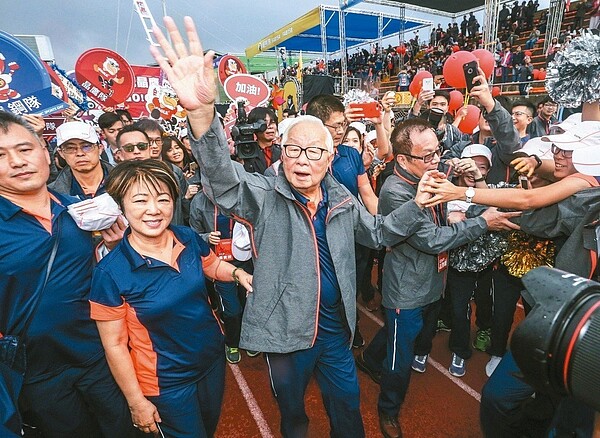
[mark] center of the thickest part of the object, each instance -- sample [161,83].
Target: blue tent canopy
[360,27]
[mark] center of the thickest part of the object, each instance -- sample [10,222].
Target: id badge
[223,250]
[442,261]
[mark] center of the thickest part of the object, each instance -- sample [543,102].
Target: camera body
[243,132]
[557,347]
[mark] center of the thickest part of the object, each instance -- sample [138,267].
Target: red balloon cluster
[471,120]
[453,68]
[417,82]
[401,49]
[496,91]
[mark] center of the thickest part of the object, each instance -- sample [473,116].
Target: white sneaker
[492,364]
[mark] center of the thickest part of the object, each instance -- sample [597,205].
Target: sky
[226,26]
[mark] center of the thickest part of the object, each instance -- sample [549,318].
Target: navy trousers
[78,402]
[332,363]
[193,410]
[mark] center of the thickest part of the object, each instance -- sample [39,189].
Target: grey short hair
[312,120]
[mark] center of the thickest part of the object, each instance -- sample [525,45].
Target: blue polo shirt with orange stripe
[174,336]
[347,167]
[330,305]
[61,334]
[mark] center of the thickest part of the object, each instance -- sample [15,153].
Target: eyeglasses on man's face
[70,149]
[428,157]
[131,147]
[338,126]
[558,151]
[519,113]
[313,153]
[157,141]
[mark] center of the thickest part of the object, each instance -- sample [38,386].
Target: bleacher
[538,57]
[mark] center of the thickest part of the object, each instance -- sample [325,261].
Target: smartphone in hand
[471,69]
[427,84]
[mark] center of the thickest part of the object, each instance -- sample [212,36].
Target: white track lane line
[257,414]
[438,366]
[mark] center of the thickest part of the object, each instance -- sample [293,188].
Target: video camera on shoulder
[243,132]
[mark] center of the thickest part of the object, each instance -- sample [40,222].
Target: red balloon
[528,53]
[453,68]
[456,100]
[536,74]
[496,91]
[486,61]
[401,49]
[455,48]
[471,120]
[417,82]
[542,75]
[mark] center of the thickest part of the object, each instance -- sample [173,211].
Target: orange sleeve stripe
[209,259]
[178,248]
[143,356]
[363,179]
[100,312]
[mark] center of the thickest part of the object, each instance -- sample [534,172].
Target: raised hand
[189,69]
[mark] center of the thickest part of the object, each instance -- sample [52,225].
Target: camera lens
[557,347]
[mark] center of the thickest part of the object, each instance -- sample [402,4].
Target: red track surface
[435,406]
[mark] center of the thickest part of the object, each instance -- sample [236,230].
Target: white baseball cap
[568,123]
[536,146]
[360,126]
[240,243]
[477,150]
[581,136]
[79,130]
[371,135]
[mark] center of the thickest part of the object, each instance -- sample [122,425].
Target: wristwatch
[469,193]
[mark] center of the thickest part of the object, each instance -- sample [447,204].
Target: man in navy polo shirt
[68,390]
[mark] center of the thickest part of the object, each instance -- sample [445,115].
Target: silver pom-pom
[356,96]
[574,76]
[480,253]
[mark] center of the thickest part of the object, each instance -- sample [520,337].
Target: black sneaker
[358,340]
[362,365]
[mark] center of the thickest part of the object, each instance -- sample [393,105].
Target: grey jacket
[410,271]
[64,181]
[281,315]
[202,215]
[573,222]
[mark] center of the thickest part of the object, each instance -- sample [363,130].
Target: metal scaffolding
[343,54]
[556,12]
[490,25]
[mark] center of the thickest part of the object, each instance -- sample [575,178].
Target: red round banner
[105,75]
[249,87]
[228,66]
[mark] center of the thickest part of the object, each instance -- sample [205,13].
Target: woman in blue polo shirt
[163,343]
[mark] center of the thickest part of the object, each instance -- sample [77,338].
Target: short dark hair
[106,120]
[546,100]
[148,125]
[442,93]
[400,137]
[7,119]
[260,113]
[130,128]
[150,172]
[527,104]
[323,105]
[124,112]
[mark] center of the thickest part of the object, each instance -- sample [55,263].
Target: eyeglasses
[338,126]
[519,113]
[131,147]
[156,141]
[549,104]
[426,158]
[86,148]
[556,151]
[312,153]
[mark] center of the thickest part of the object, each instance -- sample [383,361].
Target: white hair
[312,120]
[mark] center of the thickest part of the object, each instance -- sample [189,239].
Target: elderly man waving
[303,226]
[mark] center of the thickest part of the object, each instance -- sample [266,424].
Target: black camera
[434,116]
[243,132]
[557,346]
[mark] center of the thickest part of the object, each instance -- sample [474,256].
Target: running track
[437,404]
